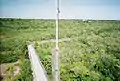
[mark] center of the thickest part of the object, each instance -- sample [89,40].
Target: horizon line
[85,19]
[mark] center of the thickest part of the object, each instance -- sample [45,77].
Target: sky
[69,9]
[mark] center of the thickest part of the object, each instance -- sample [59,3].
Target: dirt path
[9,70]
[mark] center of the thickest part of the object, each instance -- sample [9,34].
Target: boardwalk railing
[39,72]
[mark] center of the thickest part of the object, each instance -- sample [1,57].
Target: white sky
[45,9]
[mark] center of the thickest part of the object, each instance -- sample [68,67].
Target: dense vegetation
[92,54]
[15,34]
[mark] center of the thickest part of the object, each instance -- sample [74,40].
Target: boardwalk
[53,40]
[38,71]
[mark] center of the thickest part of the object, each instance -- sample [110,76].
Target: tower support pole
[55,54]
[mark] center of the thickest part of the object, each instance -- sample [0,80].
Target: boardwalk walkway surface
[39,72]
[53,40]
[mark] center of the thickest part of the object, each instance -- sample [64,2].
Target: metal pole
[57,22]
[55,54]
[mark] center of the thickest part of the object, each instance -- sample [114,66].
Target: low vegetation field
[92,54]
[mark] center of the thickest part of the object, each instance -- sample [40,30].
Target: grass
[92,54]
[15,34]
